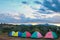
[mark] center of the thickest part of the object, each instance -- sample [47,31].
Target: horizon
[31,24]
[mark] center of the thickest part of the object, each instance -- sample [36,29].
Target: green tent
[24,34]
[36,35]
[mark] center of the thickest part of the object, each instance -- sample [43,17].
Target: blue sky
[30,11]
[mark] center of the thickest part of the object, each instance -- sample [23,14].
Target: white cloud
[36,6]
[53,5]
[15,15]
[12,14]
[27,11]
[46,16]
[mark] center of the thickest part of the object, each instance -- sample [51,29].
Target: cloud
[27,11]
[52,6]
[54,19]
[39,18]
[24,2]
[37,2]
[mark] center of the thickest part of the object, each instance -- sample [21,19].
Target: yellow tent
[16,34]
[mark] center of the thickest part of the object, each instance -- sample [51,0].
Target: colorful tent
[50,34]
[26,34]
[17,34]
[11,33]
[36,35]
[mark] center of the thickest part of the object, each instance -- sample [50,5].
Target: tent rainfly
[36,35]
[26,34]
[51,35]
[11,33]
[17,34]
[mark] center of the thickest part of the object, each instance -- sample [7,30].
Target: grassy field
[6,37]
[17,38]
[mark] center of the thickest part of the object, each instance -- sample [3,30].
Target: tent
[51,35]
[26,34]
[36,35]
[11,33]
[17,34]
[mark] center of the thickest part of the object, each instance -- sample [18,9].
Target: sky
[30,11]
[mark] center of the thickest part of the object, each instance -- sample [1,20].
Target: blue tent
[19,34]
[11,33]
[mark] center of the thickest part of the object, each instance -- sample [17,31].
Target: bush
[1,32]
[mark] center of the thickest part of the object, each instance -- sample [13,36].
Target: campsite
[29,19]
[29,32]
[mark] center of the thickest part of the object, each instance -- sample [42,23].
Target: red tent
[26,34]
